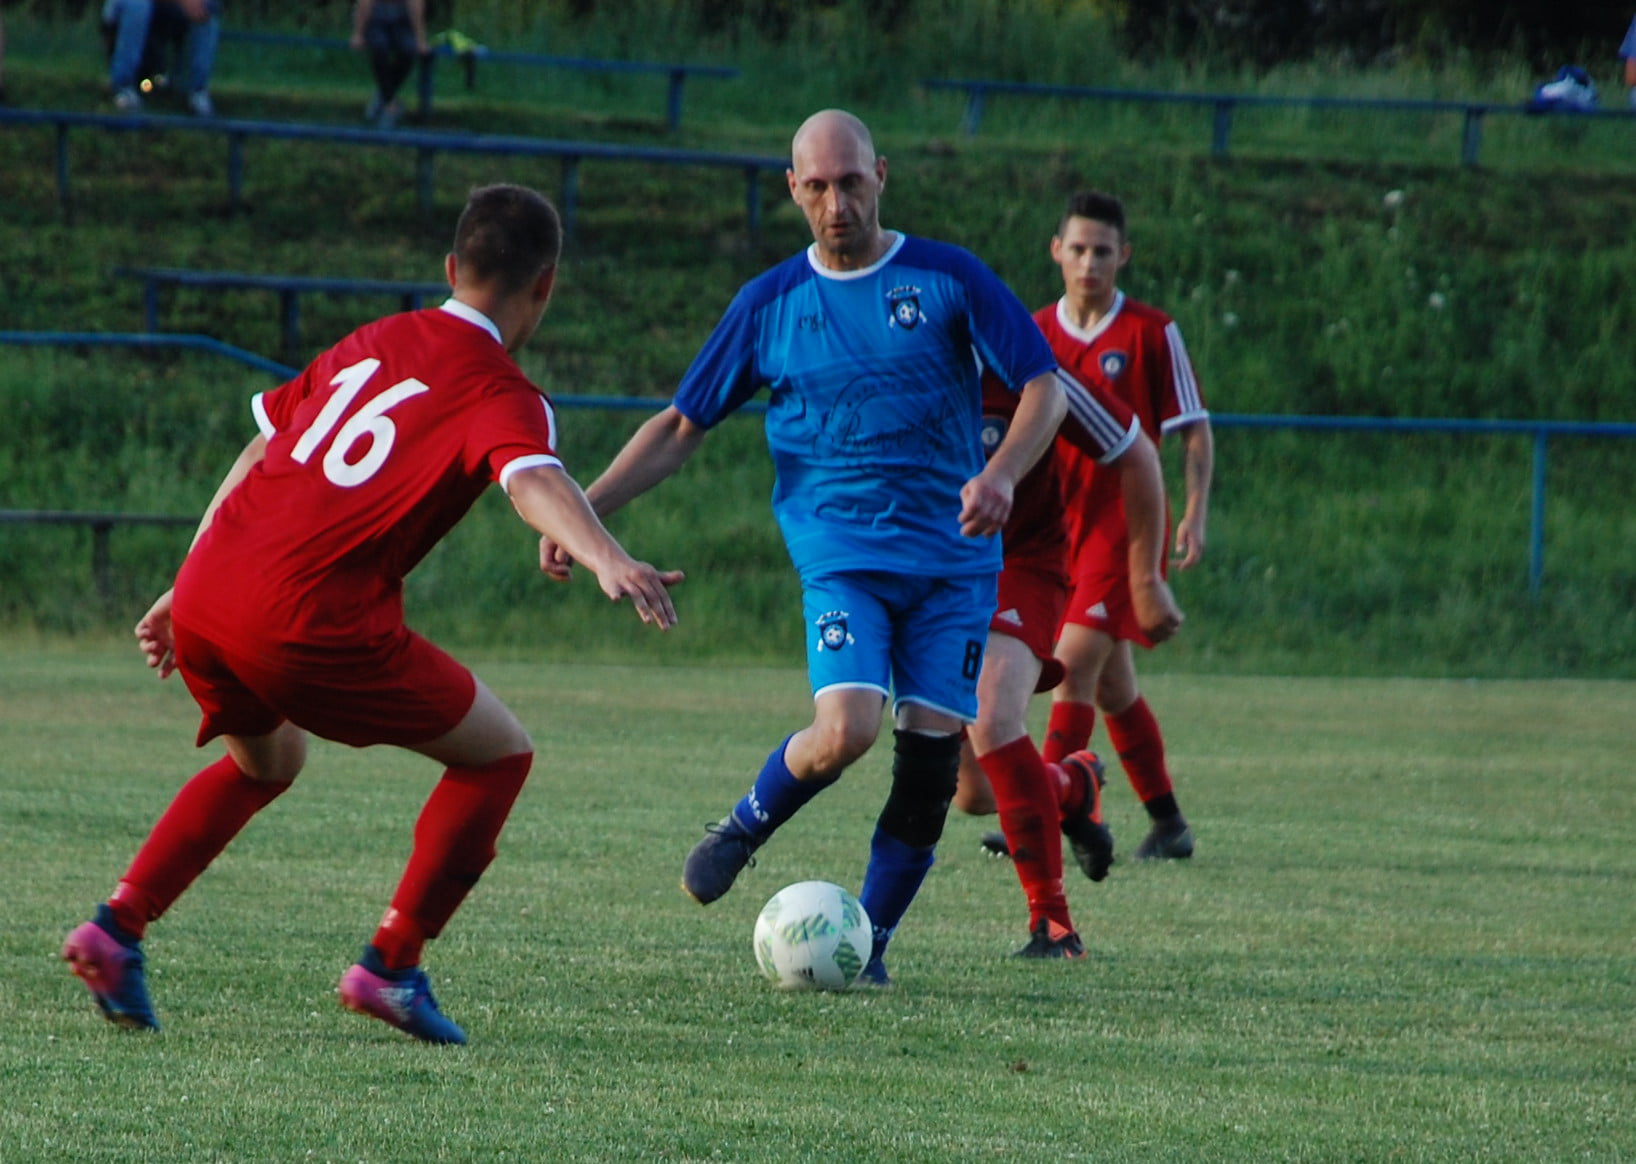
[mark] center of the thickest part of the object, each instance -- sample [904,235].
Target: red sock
[1068,730]
[1135,736]
[205,815]
[454,843]
[1025,794]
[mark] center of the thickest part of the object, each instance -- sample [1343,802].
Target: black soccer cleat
[1090,839]
[1168,840]
[1049,940]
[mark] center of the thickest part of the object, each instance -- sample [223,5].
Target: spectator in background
[142,33]
[1627,53]
[393,32]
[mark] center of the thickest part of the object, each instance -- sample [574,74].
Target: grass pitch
[1406,936]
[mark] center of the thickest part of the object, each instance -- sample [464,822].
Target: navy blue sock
[895,872]
[776,795]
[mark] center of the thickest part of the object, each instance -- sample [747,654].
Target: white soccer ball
[812,935]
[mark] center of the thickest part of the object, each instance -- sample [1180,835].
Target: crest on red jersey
[1113,363]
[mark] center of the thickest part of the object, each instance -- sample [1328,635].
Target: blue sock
[895,872]
[776,795]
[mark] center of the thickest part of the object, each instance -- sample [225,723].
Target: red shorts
[1102,602]
[398,690]
[1029,609]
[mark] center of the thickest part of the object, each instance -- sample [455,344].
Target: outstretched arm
[551,501]
[1198,467]
[1141,484]
[985,500]
[153,631]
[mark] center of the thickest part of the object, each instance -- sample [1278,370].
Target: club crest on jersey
[905,304]
[832,632]
[1113,363]
[993,432]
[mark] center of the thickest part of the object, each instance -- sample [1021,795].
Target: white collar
[470,314]
[830,273]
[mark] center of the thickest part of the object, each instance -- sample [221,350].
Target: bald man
[865,342]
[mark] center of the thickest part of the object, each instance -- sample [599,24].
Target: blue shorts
[919,640]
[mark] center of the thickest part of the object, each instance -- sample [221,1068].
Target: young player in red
[287,614]
[1096,332]
[1001,769]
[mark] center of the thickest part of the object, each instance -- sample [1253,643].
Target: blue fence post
[752,203]
[423,176]
[1221,129]
[1471,138]
[62,163]
[235,168]
[1536,533]
[570,195]
[673,101]
[973,116]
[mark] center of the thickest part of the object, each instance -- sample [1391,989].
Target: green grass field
[1406,936]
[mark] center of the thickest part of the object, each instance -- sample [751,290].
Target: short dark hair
[1096,206]
[507,235]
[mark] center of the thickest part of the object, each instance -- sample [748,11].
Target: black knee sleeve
[925,772]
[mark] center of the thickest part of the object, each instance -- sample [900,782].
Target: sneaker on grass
[1049,940]
[717,860]
[400,998]
[109,961]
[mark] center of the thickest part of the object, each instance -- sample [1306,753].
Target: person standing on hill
[287,613]
[393,33]
[1098,333]
[869,343]
[1001,769]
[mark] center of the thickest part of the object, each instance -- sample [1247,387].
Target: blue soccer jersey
[875,416]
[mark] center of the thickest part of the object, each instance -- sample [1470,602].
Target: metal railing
[1540,432]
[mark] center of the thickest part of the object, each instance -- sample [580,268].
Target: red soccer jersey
[1098,426]
[374,453]
[1138,352]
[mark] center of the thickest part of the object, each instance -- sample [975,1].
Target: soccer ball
[812,935]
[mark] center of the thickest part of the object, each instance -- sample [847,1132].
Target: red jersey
[1098,426]
[374,453]
[1137,351]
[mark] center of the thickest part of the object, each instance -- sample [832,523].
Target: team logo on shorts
[905,304]
[1114,363]
[832,632]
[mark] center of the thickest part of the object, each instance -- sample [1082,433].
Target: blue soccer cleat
[402,999]
[716,861]
[109,961]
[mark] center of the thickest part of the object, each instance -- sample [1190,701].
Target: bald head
[837,180]
[833,131]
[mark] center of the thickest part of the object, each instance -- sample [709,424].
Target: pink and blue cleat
[109,961]
[401,998]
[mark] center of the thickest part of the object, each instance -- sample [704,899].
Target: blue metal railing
[1539,431]
[1223,106]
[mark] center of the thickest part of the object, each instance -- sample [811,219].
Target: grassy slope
[1498,293]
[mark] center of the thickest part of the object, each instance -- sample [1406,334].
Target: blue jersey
[875,416]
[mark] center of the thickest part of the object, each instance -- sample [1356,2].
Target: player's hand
[1156,610]
[1189,544]
[984,506]
[555,563]
[155,638]
[647,588]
